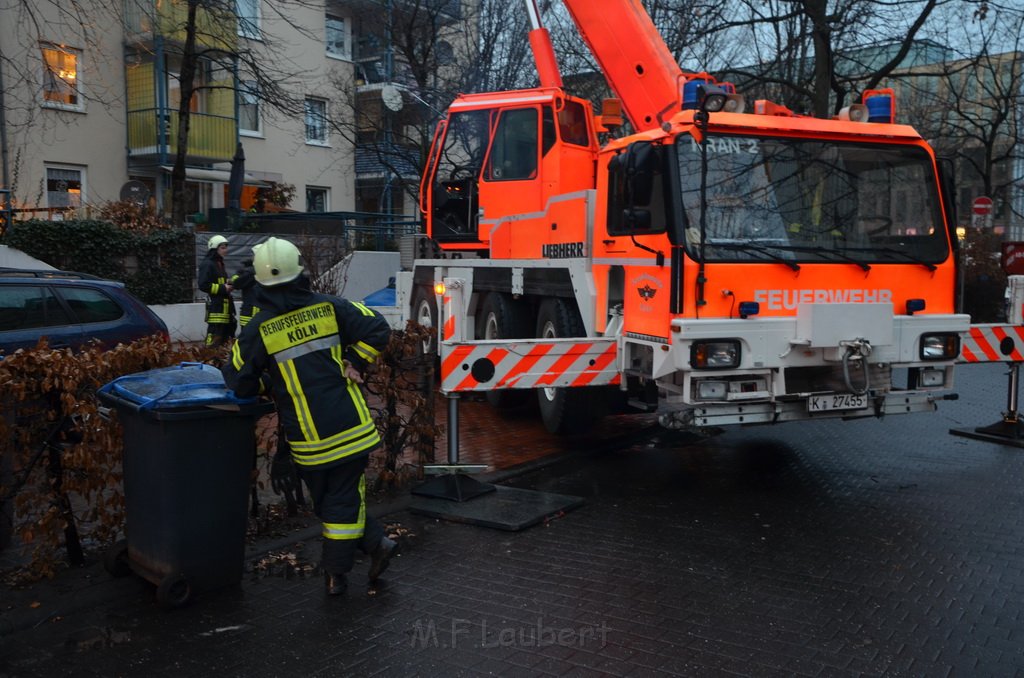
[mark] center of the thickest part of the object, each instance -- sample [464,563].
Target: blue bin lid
[184,385]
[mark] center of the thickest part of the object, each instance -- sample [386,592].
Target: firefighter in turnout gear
[307,351]
[245,281]
[213,280]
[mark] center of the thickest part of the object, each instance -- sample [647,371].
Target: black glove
[282,473]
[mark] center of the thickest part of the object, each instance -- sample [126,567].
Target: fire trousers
[339,501]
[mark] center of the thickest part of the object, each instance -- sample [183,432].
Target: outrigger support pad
[1008,431]
[451,481]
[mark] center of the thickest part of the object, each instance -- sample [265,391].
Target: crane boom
[633,57]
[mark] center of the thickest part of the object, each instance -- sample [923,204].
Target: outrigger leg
[1009,431]
[451,481]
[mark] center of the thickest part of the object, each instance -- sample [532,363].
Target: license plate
[836,401]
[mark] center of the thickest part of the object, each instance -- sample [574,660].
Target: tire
[115,560]
[566,411]
[502,317]
[424,312]
[173,591]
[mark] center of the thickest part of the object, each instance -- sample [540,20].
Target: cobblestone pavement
[815,549]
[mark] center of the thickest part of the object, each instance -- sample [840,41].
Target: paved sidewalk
[818,549]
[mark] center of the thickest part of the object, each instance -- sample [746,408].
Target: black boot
[336,583]
[380,557]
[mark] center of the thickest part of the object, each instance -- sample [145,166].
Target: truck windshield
[812,201]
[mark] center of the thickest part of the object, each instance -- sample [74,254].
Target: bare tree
[426,51]
[971,105]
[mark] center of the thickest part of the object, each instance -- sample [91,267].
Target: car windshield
[812,201]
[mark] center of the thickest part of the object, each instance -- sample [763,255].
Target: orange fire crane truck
[722,264]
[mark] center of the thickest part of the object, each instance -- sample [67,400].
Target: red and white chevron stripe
[992,343]
[487,366]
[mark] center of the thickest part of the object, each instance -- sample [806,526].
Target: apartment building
[89,110]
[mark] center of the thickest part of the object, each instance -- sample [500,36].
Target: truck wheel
[565,410]
[502,317]
[424,312]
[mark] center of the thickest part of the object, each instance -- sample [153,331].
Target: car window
[27,306]
[91,306]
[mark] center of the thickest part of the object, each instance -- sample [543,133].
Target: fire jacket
[295,348]
[245,281]
[212,279]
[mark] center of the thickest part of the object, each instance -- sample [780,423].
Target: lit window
[316,199]
[248,12]
[60,77]
[336,37]
[249,107]
[316,121]
[64,187]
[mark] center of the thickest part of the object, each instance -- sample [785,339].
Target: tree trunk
[179,192]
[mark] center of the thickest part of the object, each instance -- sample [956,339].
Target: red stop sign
[982,205]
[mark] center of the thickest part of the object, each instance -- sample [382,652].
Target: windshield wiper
[818,249]
[760,249]
[898,254]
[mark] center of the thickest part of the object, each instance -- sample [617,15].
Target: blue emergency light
[881,104]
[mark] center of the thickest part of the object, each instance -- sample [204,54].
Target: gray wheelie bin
[188,455]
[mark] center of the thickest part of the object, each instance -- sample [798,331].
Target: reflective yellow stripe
[362,308]
[350,530]
[368,443]
[236,357]
[365,351]
[291,381]
[357,399]
[309,447]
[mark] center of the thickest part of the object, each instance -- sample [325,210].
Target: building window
[60,77]
[248,18]
[249,108]
[316,121]
[316,199]
[337,37]
[64,187]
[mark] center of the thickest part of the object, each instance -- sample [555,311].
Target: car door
[30,311]
[100,316]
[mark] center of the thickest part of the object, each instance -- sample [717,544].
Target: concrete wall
[184,321]
[368,272]
[12,258]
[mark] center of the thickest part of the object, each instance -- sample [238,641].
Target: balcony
[153,136]
[147,20]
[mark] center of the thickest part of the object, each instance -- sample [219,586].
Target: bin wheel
[173,591]
[115,560]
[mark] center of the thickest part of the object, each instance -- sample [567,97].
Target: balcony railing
[153,133]
[145,20]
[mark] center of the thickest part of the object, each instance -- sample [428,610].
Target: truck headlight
[940,346]
[718,354]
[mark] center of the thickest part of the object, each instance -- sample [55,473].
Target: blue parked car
[70,309]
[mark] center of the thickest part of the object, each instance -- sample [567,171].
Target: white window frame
[325,191]
[246,89]
[66,168]
[307,119]
[345,53]
[248,14]
[47,74]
